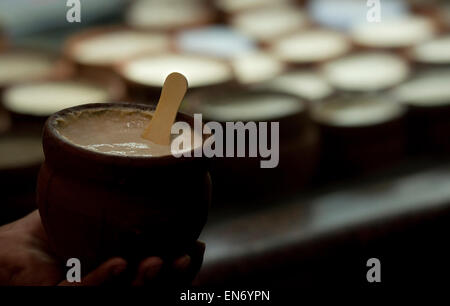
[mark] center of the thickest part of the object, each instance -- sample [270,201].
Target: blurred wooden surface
[401,216]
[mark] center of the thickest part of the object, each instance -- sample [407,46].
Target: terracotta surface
[95,206]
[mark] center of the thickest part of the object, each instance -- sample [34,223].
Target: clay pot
[95,206]
[366,72]
[229,8]
[255,68]
[20,159]
[214,40]
[29,65]
[305,83]
[427,99]
[236,6]
[431,54]
[250,64]
[169,16]
[239,179]
[268,24]
[376,37]
[359,134]
[141,42]
[35,65]
[27,115]
[202,73]
[292,50]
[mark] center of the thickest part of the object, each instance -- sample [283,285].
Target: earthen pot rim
[121,67]
[196,106]
[51,135]
[113,86]
[401,112]
[62,69]
[85,35]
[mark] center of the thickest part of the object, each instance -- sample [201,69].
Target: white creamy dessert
[233,6]
[256,67]
[199,71]
[305,84]
[366,71]
[251,107]
[357,111]
[393,33]
[218,41]
[436,51]
[268,24]
[46,98]
[167,14]
[311,46]
[22,151]
[115,131]
[115,46]
[22,66]
[429,89]
[343,14]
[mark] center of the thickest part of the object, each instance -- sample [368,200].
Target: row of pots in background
[353,147]
[173,15]
[344,135]
[223,78]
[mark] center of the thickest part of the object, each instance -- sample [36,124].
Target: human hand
[26,260]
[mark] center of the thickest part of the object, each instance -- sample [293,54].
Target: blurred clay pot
[434,53]
[95,206]
[359,134]
[31,103]
[101,48]
[242,178]
[395,34]
[366,72]
[228,8]
[25,65]
[169,15]
[305,83]
[255,68]
[427,97]
[270,23]
[311,47]
[144,75]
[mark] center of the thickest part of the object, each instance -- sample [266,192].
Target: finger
[181,265]
[197,255]
[175,273]
[105,272]
[148,271]
[185,268]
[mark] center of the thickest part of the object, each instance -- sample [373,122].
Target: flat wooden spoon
[173,91]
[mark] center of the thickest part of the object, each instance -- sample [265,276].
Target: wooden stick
[173,91]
